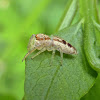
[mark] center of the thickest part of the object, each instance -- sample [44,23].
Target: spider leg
[52,58]
[61,54]
[29,53]
[53,54]
[42,50]
[52,39]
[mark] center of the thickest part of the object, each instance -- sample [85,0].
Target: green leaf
[68,17]
[89,44]
[94,93]
[96,25]
[70,81]
[86,11]
[95,11]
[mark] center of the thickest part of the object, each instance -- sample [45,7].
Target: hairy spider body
[43,42]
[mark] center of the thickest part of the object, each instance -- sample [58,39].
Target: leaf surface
[94,93]
[86,11]
[70,81]
[69,14]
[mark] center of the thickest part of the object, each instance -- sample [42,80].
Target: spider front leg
[42,50]
[32,50]
[29,53]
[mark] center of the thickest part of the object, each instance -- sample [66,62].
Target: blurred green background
[19,19]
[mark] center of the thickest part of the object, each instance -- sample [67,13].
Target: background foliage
[19,19]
